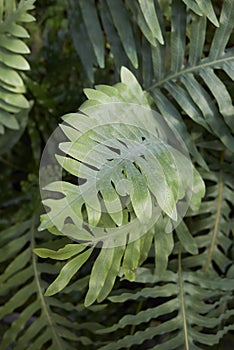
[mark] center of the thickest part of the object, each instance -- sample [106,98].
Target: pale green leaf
[163,245]
[13,45]
[113,272]
[67,272]
[8,120]
[131,259]
[13,60]
[186,238]
[62,254]
[106,266]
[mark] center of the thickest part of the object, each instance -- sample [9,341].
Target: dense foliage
[159,279]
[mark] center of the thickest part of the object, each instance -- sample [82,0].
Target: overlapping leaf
[28,318]
[193,79]
[212,227]
[118,142]
[187,73]
[183,51]
[179,309]
[89,23]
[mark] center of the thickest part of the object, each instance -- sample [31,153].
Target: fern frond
[212,227]
[129,177]
[31,319]
[193,81]
[203,9]
[189,73]
[12,62]
[191,301]
[114,158]
[128,194]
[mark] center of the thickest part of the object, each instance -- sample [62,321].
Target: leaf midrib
[40,294]
[190,70]
[217,218]
[183,311]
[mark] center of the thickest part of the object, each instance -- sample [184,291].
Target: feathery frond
[139,195]
[190,303]
[12,61]
[31,319]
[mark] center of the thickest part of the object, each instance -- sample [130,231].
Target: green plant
[12,47]
[156,279]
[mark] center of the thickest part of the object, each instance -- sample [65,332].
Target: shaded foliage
[162,290]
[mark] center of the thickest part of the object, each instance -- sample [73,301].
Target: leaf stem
[44,307]
[215,231]
[182,300]
[133,327]
[189,70]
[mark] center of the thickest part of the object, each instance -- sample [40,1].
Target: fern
[135,249]
[191,303]
[106,105]
[188,74]
[35,321]
[211,227]
[12,62]
[181,77]
[92,158]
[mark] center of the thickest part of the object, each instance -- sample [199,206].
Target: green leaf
[79,34]
[11,60]
[139,16]
[67,272]
[131,259]
[184,301]
[62,254]
[22,287]
[211,219]
[114,40]
[218,89]
[149,13]
[104,272]
[14,45]
[204,102]
[197,39]
[163,245]
[207,9]
[186,239]
[10,76]
[14,99]
[193,6]
[93,29]
[112,274]
[178,22]
[9,120]
[122,23]
[172,116]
